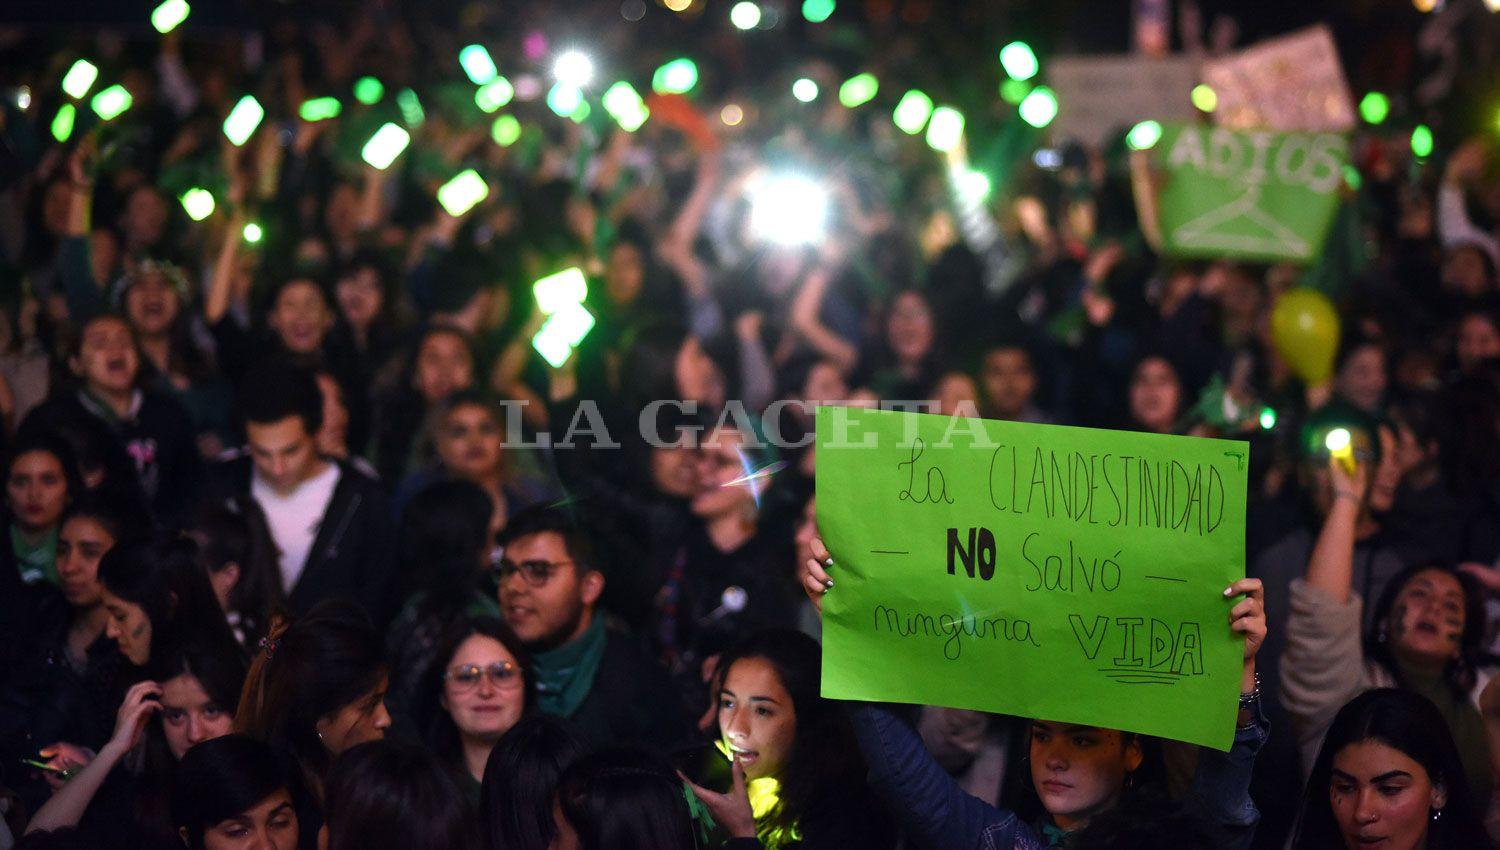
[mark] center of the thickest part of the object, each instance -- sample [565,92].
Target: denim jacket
[936,813]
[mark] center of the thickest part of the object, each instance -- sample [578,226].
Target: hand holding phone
[60,762]
[61,773]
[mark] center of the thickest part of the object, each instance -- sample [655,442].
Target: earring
[1437,815]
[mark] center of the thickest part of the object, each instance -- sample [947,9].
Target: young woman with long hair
[520,781]
[124,789]
[1389,775]
[157,597]
[384,795]
[315,689]
[477,688]
[798,778]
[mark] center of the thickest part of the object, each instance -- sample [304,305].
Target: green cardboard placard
[1069,574]
[1257,195]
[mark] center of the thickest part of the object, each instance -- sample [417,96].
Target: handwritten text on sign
[1064,573]
[1252,194]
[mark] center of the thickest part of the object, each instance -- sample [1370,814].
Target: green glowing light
[80,78]
[1019,61]
[411,108]
[505,131]
[946,129]
[463,193]
[974,186]
[477,64]
[198,203]
[1421,141]
[912,112]
[564,99]
[62,123]
[556,291]
[818,11]
[1143,136]
[169,15]
[368,90]
[383,147]
[243,119]
[1014,91]
[1039,107]
[562,332]
[624,104]
[858,90]
[254,233]
[678,76]
[805,90]
[1374,107]
[320,109]
[495,94]
[1267,418]
[1205,98]
[111,103]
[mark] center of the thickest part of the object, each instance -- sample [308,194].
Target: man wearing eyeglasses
[603,681]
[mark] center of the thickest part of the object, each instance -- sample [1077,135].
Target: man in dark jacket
[329,523]
[603,681]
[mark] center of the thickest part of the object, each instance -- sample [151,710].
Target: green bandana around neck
[38,562]
[564,676]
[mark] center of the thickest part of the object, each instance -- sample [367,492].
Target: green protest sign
[1256,195]
[1069,574]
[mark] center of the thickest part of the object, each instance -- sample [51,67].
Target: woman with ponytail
[316,688]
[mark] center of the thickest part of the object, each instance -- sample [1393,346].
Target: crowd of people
[310,546]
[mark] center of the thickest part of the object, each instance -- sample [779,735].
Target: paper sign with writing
[1255,195]
[1100,97]
[1293,82]
[1069,574]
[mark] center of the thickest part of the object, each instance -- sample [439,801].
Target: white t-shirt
[295,518]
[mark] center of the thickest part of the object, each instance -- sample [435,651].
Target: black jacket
[632,701]
[157,445]
[352,556]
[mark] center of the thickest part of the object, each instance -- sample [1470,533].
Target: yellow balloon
[1305,331]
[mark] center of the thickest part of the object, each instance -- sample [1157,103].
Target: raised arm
[1453,222]
[220,294]
[84,293]
[1220,792]
[807,322]
[1144,185]
[1331,567]
[1321,668]
[929,803]
[676,248]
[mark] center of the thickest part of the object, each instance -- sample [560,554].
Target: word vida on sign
[1043,571]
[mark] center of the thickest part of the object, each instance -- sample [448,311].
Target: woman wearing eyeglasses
[479,686]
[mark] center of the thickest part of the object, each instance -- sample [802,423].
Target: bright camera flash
[789,210]
[574,68]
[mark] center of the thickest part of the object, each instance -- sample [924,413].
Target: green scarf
[1055,836]
[565,675]
[36,563]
